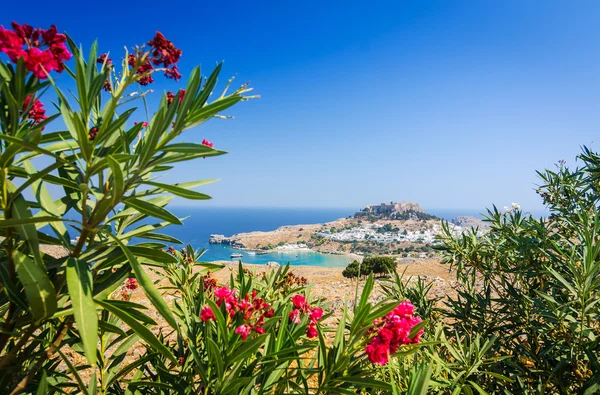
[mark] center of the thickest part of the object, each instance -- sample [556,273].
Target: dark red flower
[144,70]
[102,58]
[171,96]
[93,133]
[173,73]
[207,143]
[131,284]
[163,51]
[107,86]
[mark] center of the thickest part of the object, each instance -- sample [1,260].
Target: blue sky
[453,104]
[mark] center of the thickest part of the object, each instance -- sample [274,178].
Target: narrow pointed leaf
[152,210]
[138,328]
[38,288]
[79,281]
[147,284]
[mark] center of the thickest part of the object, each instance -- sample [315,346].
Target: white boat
[236,255]
[251,253]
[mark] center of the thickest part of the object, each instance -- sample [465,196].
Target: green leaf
[118,180]
[11,223]
[79,281]
[105,288]
[185,193]
[419,380]
[192,148]
[147,284]
[43,387]
[415,329]
[364,382]
[38,288]
[74,372]
[138,328]
[150,209]
[9,288]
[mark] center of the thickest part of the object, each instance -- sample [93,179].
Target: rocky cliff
[222,239]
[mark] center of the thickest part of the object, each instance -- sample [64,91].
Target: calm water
[202,222]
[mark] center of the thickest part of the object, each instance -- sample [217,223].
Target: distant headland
[402,230]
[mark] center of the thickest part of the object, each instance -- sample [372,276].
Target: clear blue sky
[453,104]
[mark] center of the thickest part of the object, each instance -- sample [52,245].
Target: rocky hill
[469,222]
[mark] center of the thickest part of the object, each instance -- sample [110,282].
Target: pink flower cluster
[253,311]
[36,113]
[207,143]
[301,307]
[28,43]
[392,331]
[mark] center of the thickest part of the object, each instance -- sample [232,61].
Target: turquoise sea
[204,221]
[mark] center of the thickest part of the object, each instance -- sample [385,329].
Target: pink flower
[311,331]
[207,314]
[243,331]
[144,124]
[404,309]
[131,284]
[11,44]
[207,143]
[295,316]
[392,331]
[36,113]
[224,293]
[377,352]
[39,62]
[316,314]
[299,301]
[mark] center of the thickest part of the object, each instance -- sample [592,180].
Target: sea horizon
[201,222]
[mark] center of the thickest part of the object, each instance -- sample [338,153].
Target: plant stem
[13,352]
[65,326]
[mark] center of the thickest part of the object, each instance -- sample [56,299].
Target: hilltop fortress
[390,210]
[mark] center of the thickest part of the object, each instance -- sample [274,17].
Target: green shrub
[67,320]
[380,265]
[525,317]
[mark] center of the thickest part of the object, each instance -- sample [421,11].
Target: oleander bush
[525,317]
[83,208]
